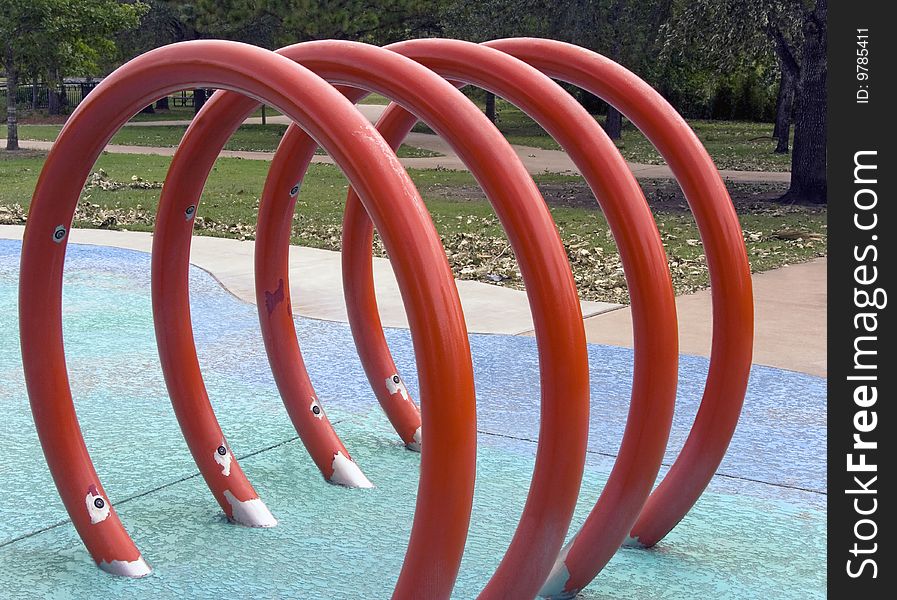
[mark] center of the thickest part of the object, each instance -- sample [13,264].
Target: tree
[795,33]
[491,19]
[272,23]
[784,107]
[166,22]
[54,37]
[736,40]
[170,21]
[808,161]
[623,30]
[777,28]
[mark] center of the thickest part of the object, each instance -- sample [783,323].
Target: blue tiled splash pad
[758,532]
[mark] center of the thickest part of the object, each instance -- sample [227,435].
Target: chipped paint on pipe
[346,473]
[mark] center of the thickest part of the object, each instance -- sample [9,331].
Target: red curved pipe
[525,215]
[543,262]
[520,573]
[178,206]
[434,313]
[730,281]
[421,268]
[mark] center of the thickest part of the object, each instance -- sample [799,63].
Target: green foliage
[282,22]
[170,21]
[625,30]
[751,43]
[491,19]
[743,96]
[165,22]
[652,39]
[733,34]
[374,22]
[68,36]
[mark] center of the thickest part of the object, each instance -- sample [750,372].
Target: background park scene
[749,78]
[745,75]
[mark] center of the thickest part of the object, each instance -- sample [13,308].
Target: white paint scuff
[251,513]
[347,473]
[127,568]
[97,506]
[395,385]
[223,460]
[553,588]
[415,445]
[316,409]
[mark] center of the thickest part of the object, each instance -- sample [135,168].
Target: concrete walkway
[789,320]
[536,160]
[790,303]
[316,281]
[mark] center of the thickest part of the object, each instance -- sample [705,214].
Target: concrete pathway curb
[790,306]
[316,281]
[790,303]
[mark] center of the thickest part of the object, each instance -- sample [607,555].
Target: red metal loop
[543,262]
[421,268]
[434,313]
[520,573]
[730,280]
[530,229]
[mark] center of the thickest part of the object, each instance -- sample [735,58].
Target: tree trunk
[613,126]
[34,95]
[589,101]
[780,104]
[808,182]
[199,98]
[12,93]
[490,106]
[162,103]
[784,104]
[54,106]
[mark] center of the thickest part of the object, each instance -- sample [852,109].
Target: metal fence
[71,93]
[37,96]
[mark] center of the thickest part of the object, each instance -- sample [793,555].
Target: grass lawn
[739,145]
[177,112]
[185,113]
[374,98]
[261,138]
[775,234]
[174,113]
